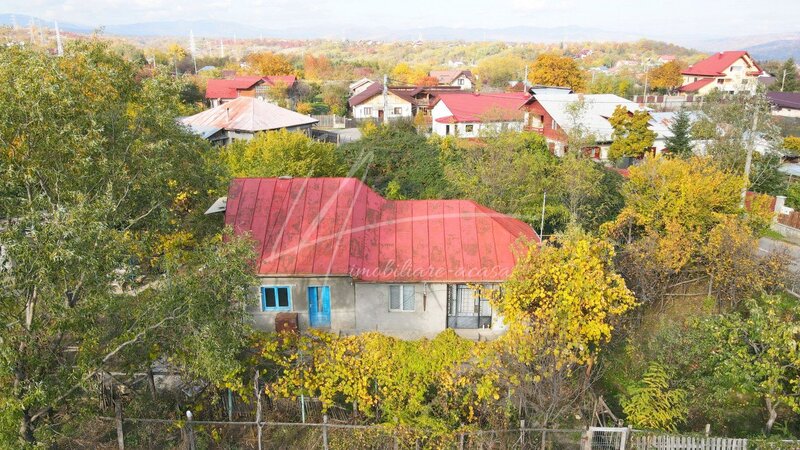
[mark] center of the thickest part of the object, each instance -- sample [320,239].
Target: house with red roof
[219,91]
[731,72]
[468,115]
[334,254]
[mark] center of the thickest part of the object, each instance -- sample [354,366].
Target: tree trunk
[773,414]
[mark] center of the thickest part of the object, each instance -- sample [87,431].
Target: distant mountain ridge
[769,46]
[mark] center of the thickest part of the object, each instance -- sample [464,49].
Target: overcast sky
[706,18]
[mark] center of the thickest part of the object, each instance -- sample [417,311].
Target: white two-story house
[731,72]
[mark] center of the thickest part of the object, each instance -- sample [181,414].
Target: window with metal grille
[276,298]
[401,297]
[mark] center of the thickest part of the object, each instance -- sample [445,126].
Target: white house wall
[428,319]
[369,109]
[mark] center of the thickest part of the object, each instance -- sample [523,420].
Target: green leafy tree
[108,262]
[281,153]
[758,352]
[397,152]
[508,172]
[631,136]
[787,77]
[680,143]
[793,196]
[653,404]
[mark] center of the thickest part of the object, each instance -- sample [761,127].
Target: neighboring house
[359,86]
[425,96]
[549,115]
[338,256]
[663,59]
[467,115]
[219,91]
[369,103]
[786,104]
[731,72]
[461,78]
[242,118]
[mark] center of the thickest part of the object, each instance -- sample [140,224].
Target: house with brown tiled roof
[461,78]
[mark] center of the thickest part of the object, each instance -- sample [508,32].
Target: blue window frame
[276,298]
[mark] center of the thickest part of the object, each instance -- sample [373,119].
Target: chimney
[227,114]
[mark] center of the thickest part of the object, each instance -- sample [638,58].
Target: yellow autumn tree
[268,63]
[568,295]
[556,70]
[666,76]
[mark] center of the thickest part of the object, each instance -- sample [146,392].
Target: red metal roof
[696,86]
[339,226]
[715,65]
[467,107]
[227,88]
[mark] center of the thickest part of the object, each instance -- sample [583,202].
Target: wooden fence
[790,220]
[674,442]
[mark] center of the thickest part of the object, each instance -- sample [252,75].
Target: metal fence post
[544,439]
[189,430]
[120,434]
[325,432]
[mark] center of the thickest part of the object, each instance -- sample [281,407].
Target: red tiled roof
[227,88]
[716,64]
[468,107]
[339,226]
[696,86]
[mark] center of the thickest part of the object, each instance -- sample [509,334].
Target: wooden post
[461,441]
[258,408]
[120,434]
[151,381]
[190,430]
[325,432]
[544,439]
[708,429]
[522,432]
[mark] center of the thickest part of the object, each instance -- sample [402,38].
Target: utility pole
[193,49]
[783,80]
[749,161]
[525,80]
[385,99]
[33,36]
[59,46]
[541,227]
[646,76]
[221,49]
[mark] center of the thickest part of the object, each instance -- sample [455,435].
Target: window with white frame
[397,111]
[276,298]
[460,81]
[468,128]
[367,110]
[401,297]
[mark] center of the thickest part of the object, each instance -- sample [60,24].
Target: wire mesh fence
[138,433]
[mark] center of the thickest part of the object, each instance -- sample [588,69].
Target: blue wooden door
[319,306]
